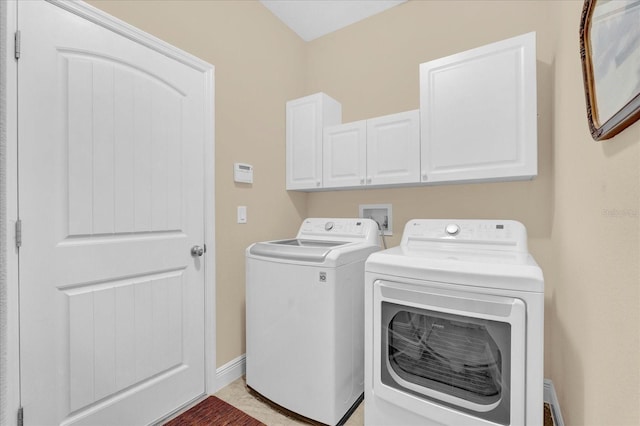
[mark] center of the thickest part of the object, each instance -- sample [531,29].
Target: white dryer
[454,327]
[305,317]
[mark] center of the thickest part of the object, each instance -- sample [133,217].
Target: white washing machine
[305,317]
[454,327]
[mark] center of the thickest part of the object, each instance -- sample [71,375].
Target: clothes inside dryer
[460,356]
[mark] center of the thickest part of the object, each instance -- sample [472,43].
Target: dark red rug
[214,411]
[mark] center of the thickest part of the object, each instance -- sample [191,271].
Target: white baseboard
[230,372]
[551,397]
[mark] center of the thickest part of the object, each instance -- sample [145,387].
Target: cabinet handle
[369,179]
[317,183]
[424,176]
[361,181]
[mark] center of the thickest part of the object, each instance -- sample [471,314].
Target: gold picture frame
[610,53]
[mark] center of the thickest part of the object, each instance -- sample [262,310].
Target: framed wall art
[610,53]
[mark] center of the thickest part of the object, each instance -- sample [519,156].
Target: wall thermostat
[243,173]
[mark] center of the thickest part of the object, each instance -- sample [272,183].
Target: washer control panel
[339,229]
[334,226]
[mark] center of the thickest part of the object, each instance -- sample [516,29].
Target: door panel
[393,149]
[478,113]
[111,137]
[344,155]
[105,97]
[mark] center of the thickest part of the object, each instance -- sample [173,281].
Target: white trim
[11,400]
[98,17]
[231,371]
[210,235]
[551,397]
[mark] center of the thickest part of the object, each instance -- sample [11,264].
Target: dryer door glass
[458,360]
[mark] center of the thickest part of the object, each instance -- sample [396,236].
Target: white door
[344,151]
[111,140]
[393,149]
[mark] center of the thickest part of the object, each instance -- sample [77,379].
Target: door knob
[197,251]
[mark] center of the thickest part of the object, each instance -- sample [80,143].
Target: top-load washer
[305,317]
[454,327]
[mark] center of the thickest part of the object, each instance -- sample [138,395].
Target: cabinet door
[478,113]
[393,149]
[344,155]
[306,118]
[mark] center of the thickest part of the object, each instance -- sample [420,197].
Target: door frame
[9,208]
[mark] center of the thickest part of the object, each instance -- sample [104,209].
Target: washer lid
[296,249]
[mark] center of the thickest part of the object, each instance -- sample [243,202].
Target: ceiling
[311,19]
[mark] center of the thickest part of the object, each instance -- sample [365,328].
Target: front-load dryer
[305,317]
[454,327]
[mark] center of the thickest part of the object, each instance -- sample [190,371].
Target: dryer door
[454,357]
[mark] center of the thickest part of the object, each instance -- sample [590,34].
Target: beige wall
[594,297]
[259,65]
[581,212]
[372,69]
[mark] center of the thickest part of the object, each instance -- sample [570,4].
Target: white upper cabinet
[306,119]
[478,114]
[477,122]
[376,152]
[393,149]
[345,155]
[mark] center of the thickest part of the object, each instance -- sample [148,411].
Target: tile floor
[237,395]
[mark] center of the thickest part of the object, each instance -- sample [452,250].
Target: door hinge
[20,417]
[18,233]
[17,45]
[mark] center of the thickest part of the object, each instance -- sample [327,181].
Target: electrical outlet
[381,214]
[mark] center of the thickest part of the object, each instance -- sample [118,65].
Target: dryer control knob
[328,226]
[452,229]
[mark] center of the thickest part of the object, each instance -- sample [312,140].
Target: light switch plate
[242,214]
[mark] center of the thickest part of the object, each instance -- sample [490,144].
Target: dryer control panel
[493,234]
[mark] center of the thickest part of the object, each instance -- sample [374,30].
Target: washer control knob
[328,226]
[452,229]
